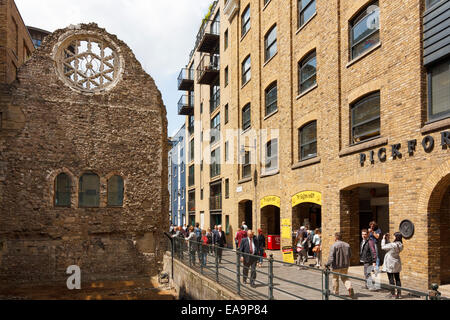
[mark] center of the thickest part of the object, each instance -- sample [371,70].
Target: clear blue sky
[160,33]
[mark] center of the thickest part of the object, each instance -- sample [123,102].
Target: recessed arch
[89,190]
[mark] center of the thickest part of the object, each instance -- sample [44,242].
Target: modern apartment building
[324,113]
[177,177]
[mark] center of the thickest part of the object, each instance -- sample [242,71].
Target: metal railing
[185,74]
[217,263]
[208,63]
[186,101]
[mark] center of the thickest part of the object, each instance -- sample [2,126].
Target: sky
[161,33]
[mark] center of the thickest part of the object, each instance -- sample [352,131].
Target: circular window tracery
[89,63]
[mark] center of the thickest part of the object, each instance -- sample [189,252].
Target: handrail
[194,246]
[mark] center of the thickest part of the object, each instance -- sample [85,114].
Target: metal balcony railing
[215,202]
[186,105]
[208,69]
[208,38]
[186,79]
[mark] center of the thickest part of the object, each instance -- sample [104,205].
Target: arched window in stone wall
[89,191]
[62,190]
[115,191]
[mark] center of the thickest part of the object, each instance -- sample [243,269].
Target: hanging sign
[307,196]
[271,201]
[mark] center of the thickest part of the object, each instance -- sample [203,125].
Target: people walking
[210,235]
[237,238]
[262,245]
[339,261]
[368,256]
[192,244]
[197,230]
[249,246]
[317,244]
[392,262]
[309,242]
[220,242]
[206,241]
[302,253]
[244,226]
[375,235]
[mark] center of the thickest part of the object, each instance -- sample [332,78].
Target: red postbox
[273,242]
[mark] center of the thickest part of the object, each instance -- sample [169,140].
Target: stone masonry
[51,126]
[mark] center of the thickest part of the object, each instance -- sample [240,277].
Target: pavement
[290,282]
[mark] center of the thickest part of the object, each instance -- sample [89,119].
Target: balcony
[186,105]
[215,202]
[208,69]
[208,38]
[186,80]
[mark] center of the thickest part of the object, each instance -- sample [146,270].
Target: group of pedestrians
[308,244]
[200,242]
[341,253]
[242,233]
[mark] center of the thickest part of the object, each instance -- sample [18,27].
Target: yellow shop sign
[271,201]
[307,197]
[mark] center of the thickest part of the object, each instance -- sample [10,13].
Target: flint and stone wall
[49,128]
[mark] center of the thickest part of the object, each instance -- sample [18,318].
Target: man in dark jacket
[220,240]
[339,261]
[250,246]
[368,255]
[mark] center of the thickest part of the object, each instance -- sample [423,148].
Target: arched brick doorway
[246,213]
[360,204]
[438,233]
[270,220]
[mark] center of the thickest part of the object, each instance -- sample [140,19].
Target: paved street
[284,290]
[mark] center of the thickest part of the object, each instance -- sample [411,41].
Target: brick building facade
[16,45]
[71,194]
[331,114]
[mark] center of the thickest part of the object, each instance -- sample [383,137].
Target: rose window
[89,63]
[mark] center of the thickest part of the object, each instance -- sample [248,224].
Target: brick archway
[434,202]
[361,203]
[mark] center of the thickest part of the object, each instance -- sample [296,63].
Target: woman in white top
[317,243]
[392,262]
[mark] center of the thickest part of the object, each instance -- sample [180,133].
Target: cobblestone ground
[310,279]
